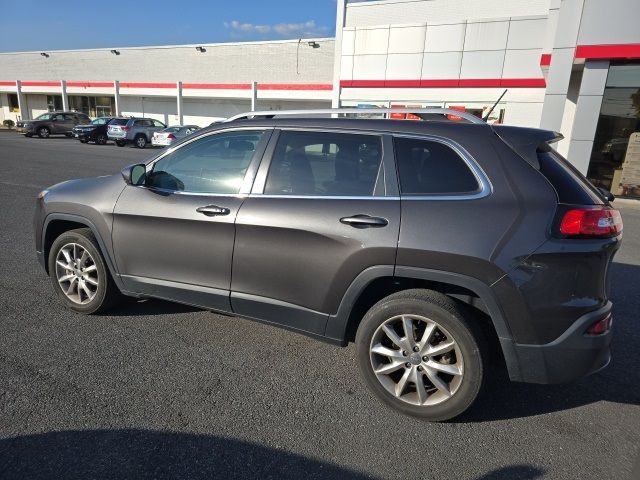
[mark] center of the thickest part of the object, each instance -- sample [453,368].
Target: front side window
[325,164]
[428,167]
[215,164]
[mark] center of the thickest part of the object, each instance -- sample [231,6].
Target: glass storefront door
[615,158]
[93,106]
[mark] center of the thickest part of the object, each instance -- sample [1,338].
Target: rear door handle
[213,210]
[364,221]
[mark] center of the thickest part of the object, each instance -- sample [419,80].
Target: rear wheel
[79,273]
[44,132]
[120,143]
[101,139]
[420,354]
[140,141]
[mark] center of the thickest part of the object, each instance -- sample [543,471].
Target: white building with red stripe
[568,65]
[189,84]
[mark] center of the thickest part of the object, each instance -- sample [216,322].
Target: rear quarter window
[570,185]
[429,167]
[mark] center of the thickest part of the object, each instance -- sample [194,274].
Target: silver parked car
[172,134]
[133,130]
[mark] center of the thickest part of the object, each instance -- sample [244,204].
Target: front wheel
[44,132]
[79,273]
[83,140]
[101,139]
[421,355]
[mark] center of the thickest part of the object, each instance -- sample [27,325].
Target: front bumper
[24,130]
[568,358]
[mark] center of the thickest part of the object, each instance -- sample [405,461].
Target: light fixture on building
[44,54]
[115,52]
[201,49]
[313,44]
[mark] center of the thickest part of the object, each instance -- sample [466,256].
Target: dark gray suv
[433,245]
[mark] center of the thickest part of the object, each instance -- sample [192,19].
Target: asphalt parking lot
[157,390]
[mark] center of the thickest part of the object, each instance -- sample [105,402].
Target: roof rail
[423,113]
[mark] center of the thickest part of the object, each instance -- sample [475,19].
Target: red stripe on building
[431,83]
[146,85]
[631,50]
[40,84]
[8,84]
[523,83]
[545,59]
[90,84]
[448,83]
[295,86]
[217,86]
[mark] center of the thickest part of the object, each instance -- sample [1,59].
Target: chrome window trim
[321,197]
[486,188]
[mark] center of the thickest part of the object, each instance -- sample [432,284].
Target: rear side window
[570,185]
[324,164]
[427,167]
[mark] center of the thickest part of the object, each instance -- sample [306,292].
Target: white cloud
[284,30]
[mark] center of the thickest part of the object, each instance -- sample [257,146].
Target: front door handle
[213,210]
[364,221]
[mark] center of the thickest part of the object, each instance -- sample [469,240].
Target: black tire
[140,141]
[106,294]
[44,132]
[101,139]
[120,143]
[84,140]
[451,316]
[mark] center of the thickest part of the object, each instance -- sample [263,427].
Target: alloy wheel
[416,360]
[77,273]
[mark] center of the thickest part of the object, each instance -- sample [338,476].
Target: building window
[54,103]
[14,106]
[615,158]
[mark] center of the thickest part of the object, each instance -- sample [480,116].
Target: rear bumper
[571,356]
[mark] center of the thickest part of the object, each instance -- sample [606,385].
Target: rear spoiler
[526,141]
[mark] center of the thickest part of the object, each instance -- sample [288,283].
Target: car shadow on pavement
[514,472]
[502,399]
[141,454]
[133,307]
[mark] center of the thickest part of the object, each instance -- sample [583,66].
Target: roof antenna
[486,117]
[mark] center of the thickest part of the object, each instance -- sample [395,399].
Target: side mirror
[607,194]
[135,174]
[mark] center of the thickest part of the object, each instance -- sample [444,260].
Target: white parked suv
[133,130]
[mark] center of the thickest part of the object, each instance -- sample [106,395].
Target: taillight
[125,128]
[171,136]
[601,326]
[586,222]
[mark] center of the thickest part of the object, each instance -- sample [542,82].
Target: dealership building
[568,65]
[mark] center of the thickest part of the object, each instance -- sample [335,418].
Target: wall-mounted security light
[44,54]
[115,52]
[201,49]
[313,44]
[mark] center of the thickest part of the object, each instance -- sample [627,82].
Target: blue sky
[45,25]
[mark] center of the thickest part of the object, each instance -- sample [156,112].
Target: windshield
[99,121]
[44,116]
[172,129]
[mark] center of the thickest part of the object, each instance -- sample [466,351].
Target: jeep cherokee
[432,245]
